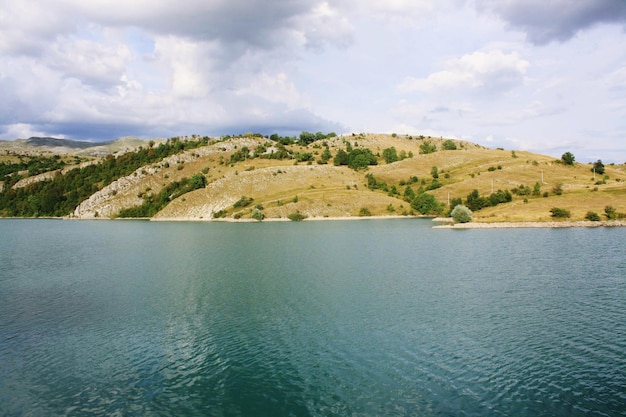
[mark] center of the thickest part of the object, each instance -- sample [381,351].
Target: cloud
[490,72]
[91,62]
[117,66]
[466,68]
[556,20]
[616,80]
[27,27]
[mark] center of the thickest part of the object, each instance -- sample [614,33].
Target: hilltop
[323,176]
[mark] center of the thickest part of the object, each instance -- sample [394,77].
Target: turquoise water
[348,318]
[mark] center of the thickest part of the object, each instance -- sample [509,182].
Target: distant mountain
[62,143]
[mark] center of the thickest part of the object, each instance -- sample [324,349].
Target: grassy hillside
[281,179]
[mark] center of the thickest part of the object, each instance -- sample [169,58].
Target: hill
[323,176]
[39,145]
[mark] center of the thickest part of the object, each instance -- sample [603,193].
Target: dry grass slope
[282,187]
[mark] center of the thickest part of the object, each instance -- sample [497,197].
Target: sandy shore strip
[279,219]
[499,225]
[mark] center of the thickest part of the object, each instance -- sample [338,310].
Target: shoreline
[284,219]
[544,225]
[444,223]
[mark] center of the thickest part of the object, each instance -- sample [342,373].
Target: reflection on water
[360,318]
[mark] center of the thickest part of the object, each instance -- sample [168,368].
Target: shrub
[598,167]
[560,213]
[219,213]
[427,147]
[257,215]
[610,212]
[296,217]
[390,155]
[461,214]
[426,203]
[537,190]
[364,212]
[568,158]
[243,202]
[592,216]
[448,145]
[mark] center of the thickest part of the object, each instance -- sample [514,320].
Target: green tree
[409,194]
[427,147]
[568,158]
[461,214]
[390,155]
[598,167]
[361,158]
[307,137]
[610,212]
[341,158]
[243,202]
[326,155]
[197,181]
[426,203]
[448,145]
[560,213]
[475,202]
[434,171]
[592,216]
[365,212]
[296,217]
[257,214]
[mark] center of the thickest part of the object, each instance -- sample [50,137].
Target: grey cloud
[239,24]
[297,122]
[558,20]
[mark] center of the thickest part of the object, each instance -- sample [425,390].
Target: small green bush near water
[461,214]
[296,217]
[560,213]
[257,215]
[365,212]
[592,216]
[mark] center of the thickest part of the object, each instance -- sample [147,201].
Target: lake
[336,318]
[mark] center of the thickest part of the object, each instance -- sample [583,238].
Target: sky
[548,76]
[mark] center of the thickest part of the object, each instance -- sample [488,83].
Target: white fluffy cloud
[490,72]
[539,71]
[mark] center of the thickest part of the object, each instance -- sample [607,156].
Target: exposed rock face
[46,176]
[122,193]
[105,202]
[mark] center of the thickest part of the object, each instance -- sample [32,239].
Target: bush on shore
[461,214]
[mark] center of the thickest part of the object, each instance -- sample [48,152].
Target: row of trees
[305,138]
[391,155]
[33,164]
[355,158]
